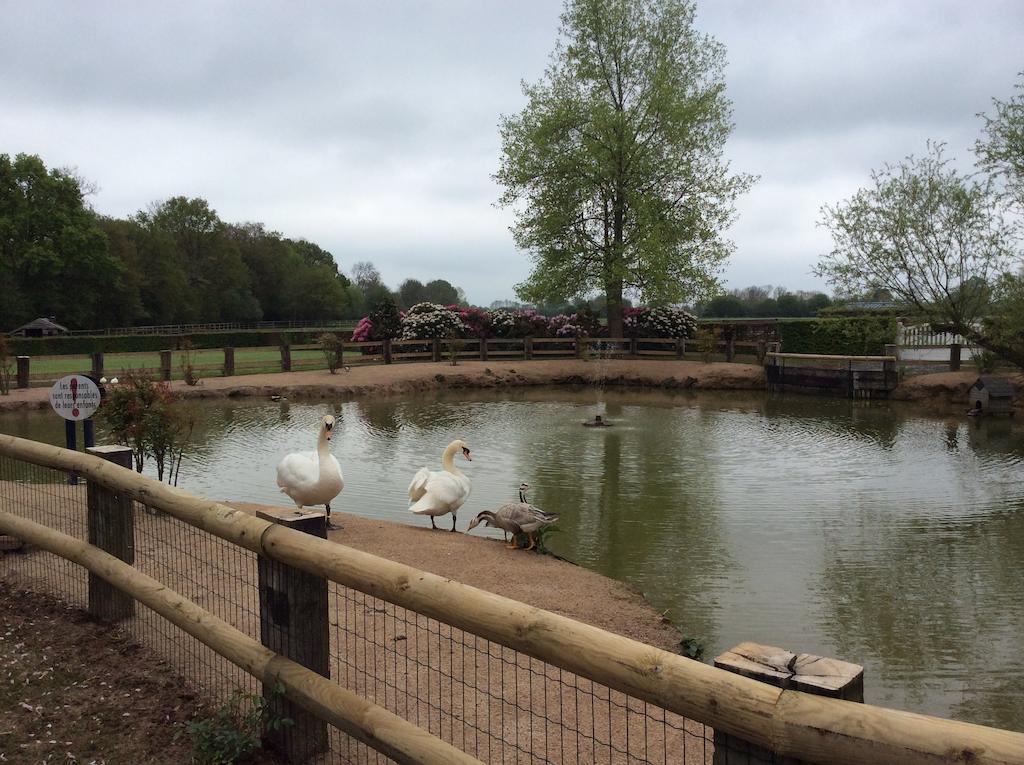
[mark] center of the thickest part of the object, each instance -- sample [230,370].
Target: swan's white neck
[448,459]
[322,449]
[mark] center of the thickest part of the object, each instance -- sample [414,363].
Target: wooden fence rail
[789,723]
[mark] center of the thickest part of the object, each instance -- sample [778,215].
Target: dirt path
[396,379]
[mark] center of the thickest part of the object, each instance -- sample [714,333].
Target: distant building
[39,328]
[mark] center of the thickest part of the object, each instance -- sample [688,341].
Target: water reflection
[870,532]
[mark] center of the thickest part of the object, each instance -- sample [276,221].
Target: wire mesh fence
[495,703]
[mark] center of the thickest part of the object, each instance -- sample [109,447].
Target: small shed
[992,395]
[41,327]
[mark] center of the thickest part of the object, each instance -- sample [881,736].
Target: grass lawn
[207,362]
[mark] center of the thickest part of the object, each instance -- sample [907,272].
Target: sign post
[75,397]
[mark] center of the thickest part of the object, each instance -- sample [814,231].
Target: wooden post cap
[307,521]
[805,672]
[288,516]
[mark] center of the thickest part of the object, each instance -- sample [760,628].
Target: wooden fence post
[435,349]
[294,623]
[23,371]
[229,362]
[781,669]
[680,347]
[483,349]
[730,347]
[165,366]
[387,350]
[954,357]
[97,365]
[634,347]
[527,347]
[578,346]
[286,358]
[111,527]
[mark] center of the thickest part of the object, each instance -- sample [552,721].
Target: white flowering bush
[664,322]
[429,320]
[503,323]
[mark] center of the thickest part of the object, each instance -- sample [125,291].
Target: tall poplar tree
[615,167]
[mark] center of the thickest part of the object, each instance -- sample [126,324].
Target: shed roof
[43,323]
[996,386]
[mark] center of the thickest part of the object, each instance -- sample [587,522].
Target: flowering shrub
[503,323]
[431,320]
[564,325]
[660,322]
[476,322]
[529,323]
[363,330]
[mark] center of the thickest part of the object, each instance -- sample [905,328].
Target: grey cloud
[371,128]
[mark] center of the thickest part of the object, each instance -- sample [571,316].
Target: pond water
[875,533]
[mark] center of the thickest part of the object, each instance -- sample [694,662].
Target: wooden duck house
[992,395]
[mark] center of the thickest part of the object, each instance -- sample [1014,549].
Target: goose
[516,518]
[437,492]
[312,478]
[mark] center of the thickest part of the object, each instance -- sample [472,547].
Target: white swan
[312,478]
[437,492]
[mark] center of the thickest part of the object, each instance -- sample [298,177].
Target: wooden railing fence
[294,358]
[786,722]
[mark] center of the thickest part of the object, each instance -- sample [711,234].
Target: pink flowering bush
[564,325]
[363,330]
[529,323]
[476,322]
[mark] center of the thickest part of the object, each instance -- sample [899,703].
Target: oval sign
[75,397]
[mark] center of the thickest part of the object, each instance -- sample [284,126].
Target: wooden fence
[295,358]
[787,723]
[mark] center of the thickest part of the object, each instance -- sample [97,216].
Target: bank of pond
[873,532]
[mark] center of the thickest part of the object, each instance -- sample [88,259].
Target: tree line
[764,301]
[176,262]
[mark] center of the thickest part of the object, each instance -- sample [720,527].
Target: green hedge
[852,336]
[74,345]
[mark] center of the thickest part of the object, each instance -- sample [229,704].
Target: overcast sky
[370,128]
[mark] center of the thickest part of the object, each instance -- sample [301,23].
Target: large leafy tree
[615,165]
[938,241]
[54,258]
[1001,149]
[219,284]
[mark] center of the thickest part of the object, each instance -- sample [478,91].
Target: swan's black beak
[327,427]
[465,453]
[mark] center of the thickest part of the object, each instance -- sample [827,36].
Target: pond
[874,533]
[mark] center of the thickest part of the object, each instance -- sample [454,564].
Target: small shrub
[188,367]
[706,342]
[143,415]
[331,347]
[235,730]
